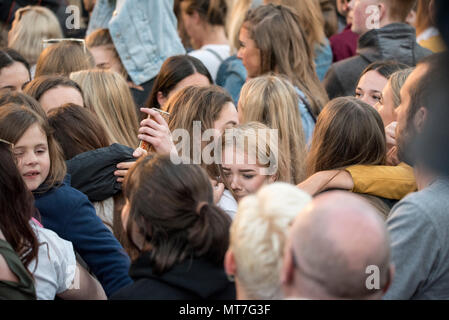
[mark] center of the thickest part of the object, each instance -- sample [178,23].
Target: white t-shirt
[210,55]
[56,264]
[228,204]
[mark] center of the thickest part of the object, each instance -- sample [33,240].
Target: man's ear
[287,267]
[383,11]
[420,119]
[229,263]
[391,270]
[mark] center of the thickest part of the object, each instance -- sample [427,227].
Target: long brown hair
[347,132]
[173,208]
[284,49]
[273,101]
[77,130]
[15,120]
[17,208]
[310,17]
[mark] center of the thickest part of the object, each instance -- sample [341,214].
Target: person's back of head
[338,248]
[172,207]
[32,25]
[348,132]
[77,130]
[64,58]
[273,101]
[107,94]
[173,71]
[387,11]
[9,96]
[258,237]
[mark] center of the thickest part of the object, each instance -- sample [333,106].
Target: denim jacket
[308,121]
[232,76]
[144,34]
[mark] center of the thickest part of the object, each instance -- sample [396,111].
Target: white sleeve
[228,204]
[56,266]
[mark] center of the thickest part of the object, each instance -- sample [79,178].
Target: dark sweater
[69,213]
[396,41]
[191,279]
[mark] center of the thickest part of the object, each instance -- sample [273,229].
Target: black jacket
[190,280]
[92,172]
[396,41]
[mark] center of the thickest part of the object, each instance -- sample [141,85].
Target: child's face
[33,159]
[244,177]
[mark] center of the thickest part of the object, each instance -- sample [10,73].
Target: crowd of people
[199,149]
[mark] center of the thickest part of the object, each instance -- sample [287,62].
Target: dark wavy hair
[173,208]
[174,70]
[17,208]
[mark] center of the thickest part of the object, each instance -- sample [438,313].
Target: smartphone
[145,145]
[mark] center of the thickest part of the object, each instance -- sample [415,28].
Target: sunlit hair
[173,209]
[64,58]
[107,94]
[235,20]
[259,143]
[190,104]
[258,236]
[15,120]
[397,80]
[31,25]
[102,38]
[310,17]
[273,101]
[284,49]
[348,132]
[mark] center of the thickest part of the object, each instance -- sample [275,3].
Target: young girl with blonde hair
[273,101]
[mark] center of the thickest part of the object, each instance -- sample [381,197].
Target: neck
[213,35]
[424,177]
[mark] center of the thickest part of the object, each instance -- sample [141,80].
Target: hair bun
[200,206]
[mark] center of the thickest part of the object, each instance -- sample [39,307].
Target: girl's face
[249,54]
[369,89]
[385,106]
[60,95]
[33,158]
[243,177]
[196,79]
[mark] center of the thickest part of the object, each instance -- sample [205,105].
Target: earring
[231,277]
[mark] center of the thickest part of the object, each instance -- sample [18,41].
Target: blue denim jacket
[308,121]
[232,76]
[144,34]
[323,59]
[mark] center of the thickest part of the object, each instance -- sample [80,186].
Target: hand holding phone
[154,133]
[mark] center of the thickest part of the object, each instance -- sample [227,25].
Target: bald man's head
[332,244]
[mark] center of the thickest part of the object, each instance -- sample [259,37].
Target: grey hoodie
[396,41]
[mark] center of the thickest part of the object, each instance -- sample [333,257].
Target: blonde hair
[106,93]
[310,18]
[235,20]
[397,80]
[284,49]
[258,236]
[273,101]
[259,142]
[31,25]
